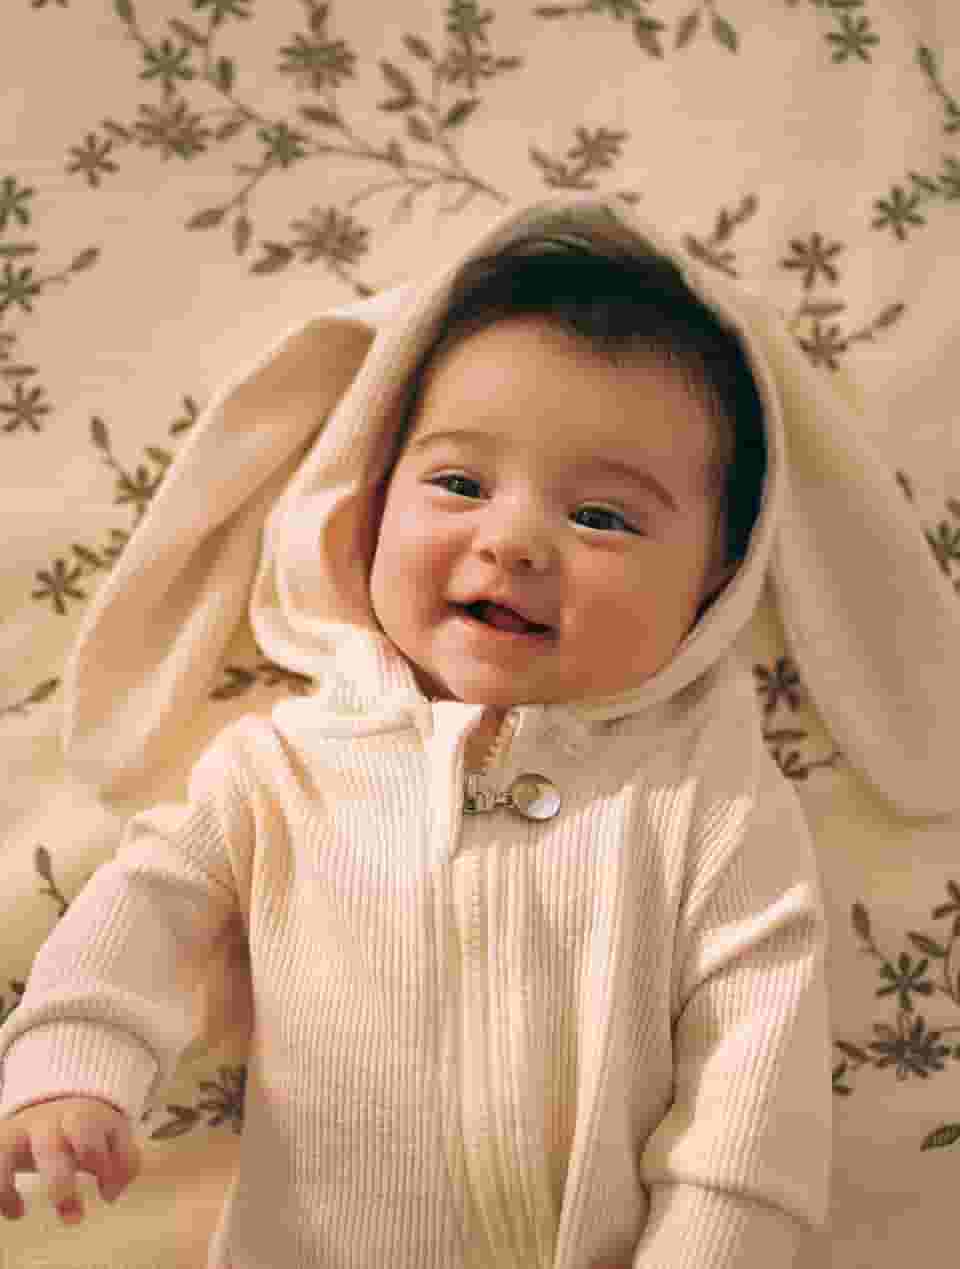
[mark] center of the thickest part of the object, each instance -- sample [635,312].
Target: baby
[537,954]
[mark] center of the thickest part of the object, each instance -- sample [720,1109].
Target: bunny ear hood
[271,506]
[310,607]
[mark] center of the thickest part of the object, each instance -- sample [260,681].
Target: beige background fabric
[183,180]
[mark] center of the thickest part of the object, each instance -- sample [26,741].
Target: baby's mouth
[501,618]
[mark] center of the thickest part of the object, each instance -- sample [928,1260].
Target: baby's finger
[56,1166]
[91,1153]
[11,1204]
[123,1155]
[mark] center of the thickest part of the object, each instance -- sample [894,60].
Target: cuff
[692,1227]
[76,1059]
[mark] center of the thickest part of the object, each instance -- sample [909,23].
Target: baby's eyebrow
[645,479]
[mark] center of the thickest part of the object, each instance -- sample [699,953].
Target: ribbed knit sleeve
[108,1006]
[739,1167]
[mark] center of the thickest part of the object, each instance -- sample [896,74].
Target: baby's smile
[502,618]
[500,630]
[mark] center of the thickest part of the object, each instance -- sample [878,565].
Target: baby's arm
[738,1169]
[108,1007]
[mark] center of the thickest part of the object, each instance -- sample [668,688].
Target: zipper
[531,794]
[477,799]
[505,1235]
[478,1162]
[478,796]
[501,741]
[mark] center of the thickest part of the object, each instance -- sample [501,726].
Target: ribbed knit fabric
[480,1042]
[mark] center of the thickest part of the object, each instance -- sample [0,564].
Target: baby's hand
[59,1138]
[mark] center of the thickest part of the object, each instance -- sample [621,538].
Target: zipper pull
[477,799]
[531,795]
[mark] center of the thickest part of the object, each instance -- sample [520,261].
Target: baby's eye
[446,480]
[605,511]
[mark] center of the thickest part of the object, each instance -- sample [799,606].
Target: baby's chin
[435,691]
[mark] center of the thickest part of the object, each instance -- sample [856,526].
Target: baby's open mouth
[501,618]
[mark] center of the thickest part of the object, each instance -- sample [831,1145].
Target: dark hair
[621,303]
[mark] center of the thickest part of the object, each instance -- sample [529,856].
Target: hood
[268,510]
[310,607]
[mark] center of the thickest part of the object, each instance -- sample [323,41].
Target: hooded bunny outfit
[489,1030]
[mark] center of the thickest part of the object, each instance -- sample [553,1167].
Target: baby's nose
[519,538]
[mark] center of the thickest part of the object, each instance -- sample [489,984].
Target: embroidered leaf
[861,922]
[924,182]
[687,29]
[88,557]
[926,59]
[889,316]
[398,80]
[724,33]
[43,690]
[123,10]
[418,47]
[841,1090]
[852,1050]
[822,308]
[278,257]
[185,1119]
[320,114]
[927,945]
[188,33]
[208,219]
[418,129]
[85,260]
[98,430]
[231,128]
[724,226]
[226,73]
[946,1135]
[645,32]
[161,456]
[117,130]
[460,112]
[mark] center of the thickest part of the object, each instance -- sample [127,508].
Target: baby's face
[525,510]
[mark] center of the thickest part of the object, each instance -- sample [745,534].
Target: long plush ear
[868,615]
[151,641]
